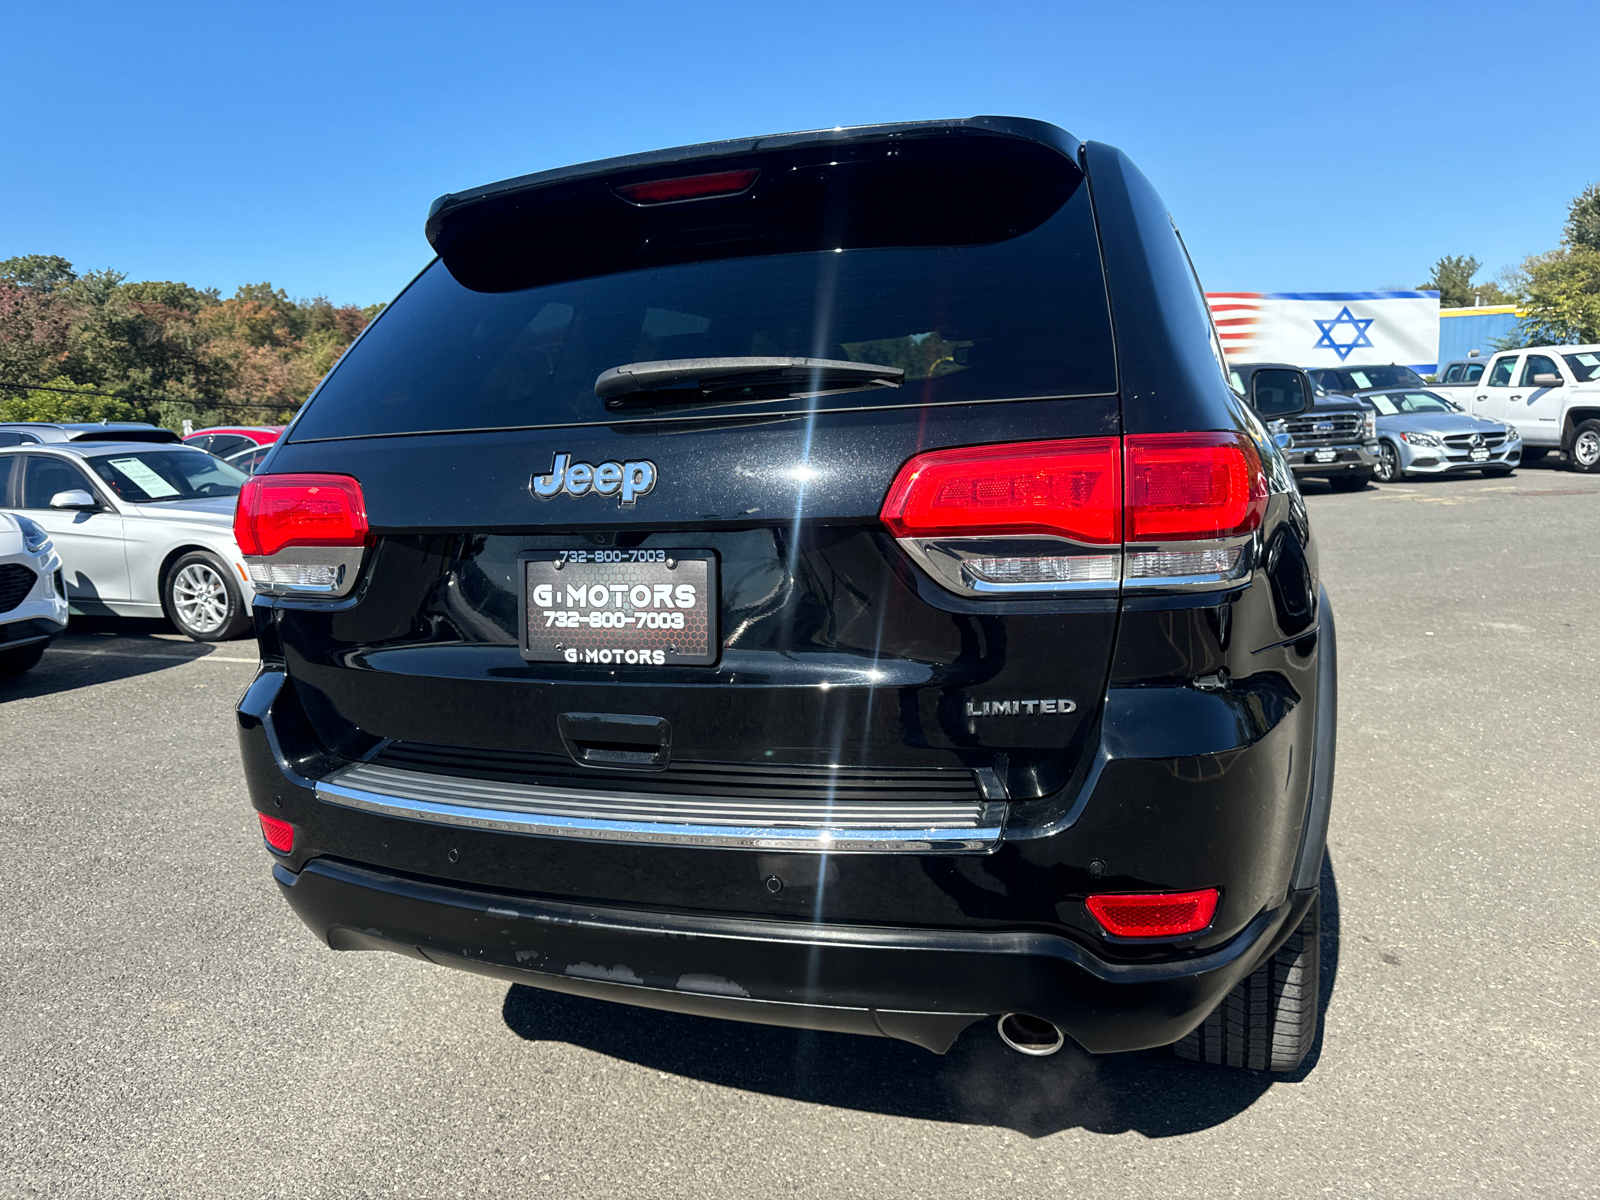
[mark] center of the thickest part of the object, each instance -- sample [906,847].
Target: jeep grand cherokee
[824,580]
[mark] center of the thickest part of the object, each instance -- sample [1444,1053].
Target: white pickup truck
[1550,393]
[1458,379]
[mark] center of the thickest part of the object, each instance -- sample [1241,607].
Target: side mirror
[73,500]
[1279,392]
[1545,379]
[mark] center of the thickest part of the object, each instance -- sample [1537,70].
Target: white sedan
[33,608]
[144,530]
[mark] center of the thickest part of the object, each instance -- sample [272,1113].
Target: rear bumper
[676,931]
[921,986]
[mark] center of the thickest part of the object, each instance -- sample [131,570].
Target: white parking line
[180,658]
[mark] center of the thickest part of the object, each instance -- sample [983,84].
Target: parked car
[769,634]
[225,441]
[1334,439]
[33,433]
[1457,381]
[33,606]
[1551,396]
[1422,433]
[1347,381]
[248,459]
[145,531]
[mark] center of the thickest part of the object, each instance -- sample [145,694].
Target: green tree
[69,403]
[43,272]
[1560,290]
[1452,279]
[1582,230]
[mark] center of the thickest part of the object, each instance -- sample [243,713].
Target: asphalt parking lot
[171,1030]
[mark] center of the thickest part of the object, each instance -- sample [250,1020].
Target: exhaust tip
[1030,1035]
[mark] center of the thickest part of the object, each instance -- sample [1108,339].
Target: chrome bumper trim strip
[916,827]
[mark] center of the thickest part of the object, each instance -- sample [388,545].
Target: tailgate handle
[618,740]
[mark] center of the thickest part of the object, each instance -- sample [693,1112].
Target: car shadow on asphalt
[979,1082]
[96,650]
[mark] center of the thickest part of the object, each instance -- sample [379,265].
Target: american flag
[1237,314]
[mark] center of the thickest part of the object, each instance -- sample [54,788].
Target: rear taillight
[1183,486]
[1068,489]
[279,834]
[1086,514]
[688,187]
[1154,915]
[301,533]
[275,511]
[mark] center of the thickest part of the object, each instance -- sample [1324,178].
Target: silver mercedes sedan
[1422,433]
[143,530]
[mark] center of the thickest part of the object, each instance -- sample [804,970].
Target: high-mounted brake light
[1157,915]
[275,511]
[688,187]
[279,834]
[1068,489]
[1184,486]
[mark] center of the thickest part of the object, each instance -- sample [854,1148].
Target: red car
[225,440]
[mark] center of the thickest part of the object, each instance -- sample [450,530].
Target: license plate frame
[1324,456]
[1480,455]
[654,642]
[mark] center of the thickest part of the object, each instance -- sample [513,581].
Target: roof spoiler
[452,208]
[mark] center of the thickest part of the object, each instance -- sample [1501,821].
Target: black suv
[822,580]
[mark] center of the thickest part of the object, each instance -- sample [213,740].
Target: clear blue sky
[1301,146]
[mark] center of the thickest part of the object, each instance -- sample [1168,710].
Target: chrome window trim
[516,811]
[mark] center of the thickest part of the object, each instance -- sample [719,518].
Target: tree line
[95,346]
[1558,291]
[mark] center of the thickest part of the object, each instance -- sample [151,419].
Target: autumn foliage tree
[166,351]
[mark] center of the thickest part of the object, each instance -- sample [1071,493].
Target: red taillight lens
[1183,486]
[1067,488]
[279,834]
[275,511]
[688,187]
[1164,914]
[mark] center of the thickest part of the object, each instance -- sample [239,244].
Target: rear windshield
[1021,317]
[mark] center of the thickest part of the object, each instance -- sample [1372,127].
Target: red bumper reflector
[275,511]
[1183,486]
[1160,915]
[1067,488]
[688,187]
[279,834]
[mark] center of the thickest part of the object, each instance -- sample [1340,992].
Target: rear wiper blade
[684,380]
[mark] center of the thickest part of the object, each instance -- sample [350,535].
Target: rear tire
[1584,454]
[201,598]
[1349,483]
[1269,1020]
[15,662]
